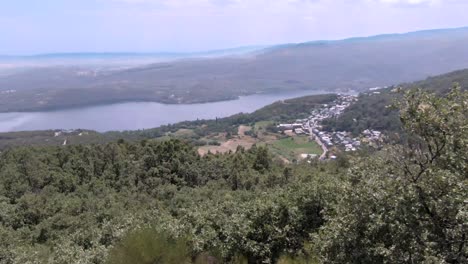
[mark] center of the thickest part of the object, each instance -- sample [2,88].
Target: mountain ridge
[246,48]
[349,65]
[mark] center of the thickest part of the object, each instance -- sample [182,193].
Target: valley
[97,195]
[334,66]
[339,125]
[234,132]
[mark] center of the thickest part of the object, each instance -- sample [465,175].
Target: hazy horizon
[148,26]
[252,47]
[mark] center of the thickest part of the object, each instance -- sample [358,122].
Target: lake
[137,115]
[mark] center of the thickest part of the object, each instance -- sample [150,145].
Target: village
[69,132]
[337,140]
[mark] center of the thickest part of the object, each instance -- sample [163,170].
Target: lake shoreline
[130,116]
[165,102]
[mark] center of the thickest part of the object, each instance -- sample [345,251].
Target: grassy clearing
[261,126]
[184,133]
[292,147]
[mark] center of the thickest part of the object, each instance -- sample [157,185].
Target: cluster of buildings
[70,131]
[375,90]
[336,108]
[372,137]
[342,139]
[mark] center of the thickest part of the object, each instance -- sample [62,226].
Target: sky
[49,26]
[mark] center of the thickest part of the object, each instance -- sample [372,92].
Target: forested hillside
[373,111]
[161,202]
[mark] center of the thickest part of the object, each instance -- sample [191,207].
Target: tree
[262,159]
[408,204]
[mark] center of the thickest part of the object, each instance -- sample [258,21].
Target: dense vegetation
[160,202]
[76,201]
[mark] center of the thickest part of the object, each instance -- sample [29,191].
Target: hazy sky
[42,26]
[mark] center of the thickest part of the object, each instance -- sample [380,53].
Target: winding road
[317,139]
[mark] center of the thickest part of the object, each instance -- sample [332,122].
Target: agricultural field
[288,149]
[231,144]
[291,148]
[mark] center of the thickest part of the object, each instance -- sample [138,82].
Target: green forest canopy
[160,202]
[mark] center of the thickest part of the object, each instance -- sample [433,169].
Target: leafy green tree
[408,204]
[262,159]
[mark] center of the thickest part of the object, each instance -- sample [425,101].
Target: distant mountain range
[229,51]
[339,65]
[122,58]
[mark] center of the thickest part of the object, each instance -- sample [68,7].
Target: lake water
[137,115]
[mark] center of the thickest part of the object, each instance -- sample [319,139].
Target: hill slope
[372,111]
[326,65]
[160,202]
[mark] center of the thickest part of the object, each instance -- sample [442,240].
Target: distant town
[341,140]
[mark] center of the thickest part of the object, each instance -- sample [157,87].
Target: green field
[261,126]
[292,147]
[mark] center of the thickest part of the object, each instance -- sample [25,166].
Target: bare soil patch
[231,144]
